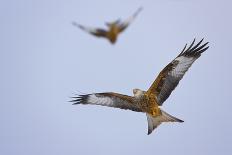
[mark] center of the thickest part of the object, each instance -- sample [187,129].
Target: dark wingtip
[183,49]
[75,100]
[195,50]
[204,49]
[149,132]
[74,23]
[140,9]
[189,48]
[79,99]
[77,25]
[73,103]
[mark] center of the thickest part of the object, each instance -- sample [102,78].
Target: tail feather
[155,121]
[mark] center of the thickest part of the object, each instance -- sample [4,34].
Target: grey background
[45,60]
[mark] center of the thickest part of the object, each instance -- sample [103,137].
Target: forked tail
[155,121]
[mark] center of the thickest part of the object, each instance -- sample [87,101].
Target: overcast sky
[45,60]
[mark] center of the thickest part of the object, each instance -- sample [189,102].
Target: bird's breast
[113,34]
[149,105]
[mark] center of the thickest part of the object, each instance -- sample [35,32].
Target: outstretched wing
[107,99]
[94,31]
[170,76]
[123,25]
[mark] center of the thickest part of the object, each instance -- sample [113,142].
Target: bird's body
[113,33]
[114,28]
[149,101]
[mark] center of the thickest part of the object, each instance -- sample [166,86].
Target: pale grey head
[138,92]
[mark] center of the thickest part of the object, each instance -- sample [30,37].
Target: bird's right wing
[94,31]
[170,76]
[107,99]
[123,25]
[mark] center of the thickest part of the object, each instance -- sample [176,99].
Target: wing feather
[107,99]
[94,31]
[170,76]
[123,25]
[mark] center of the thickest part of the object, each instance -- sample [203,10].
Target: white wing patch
[106,101]
[184,63]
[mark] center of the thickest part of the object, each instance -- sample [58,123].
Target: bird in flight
[150,101]
[114,28]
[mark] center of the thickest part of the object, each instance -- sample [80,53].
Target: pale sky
[45,60]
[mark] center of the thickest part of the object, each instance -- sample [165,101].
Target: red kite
[114,28]
[149,101]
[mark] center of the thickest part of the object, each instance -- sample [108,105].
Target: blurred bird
[149,101]
[114,28]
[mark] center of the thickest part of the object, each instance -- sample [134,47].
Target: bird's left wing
[170,76]
[123,25]
[94,31]
[109,99]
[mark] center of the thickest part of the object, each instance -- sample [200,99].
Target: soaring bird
[150,101]
[114,28]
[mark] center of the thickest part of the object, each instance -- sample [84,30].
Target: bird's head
[138,92]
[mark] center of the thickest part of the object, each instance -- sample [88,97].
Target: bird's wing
[94,31]
[123,25]
[170,76]
[109,99]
